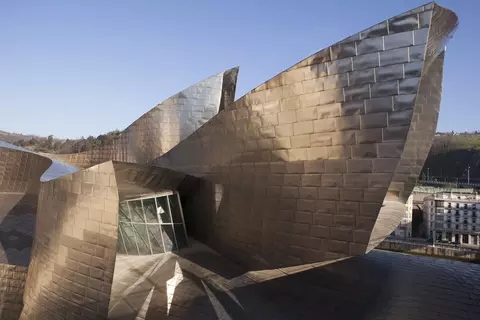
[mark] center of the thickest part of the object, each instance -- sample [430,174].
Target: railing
[432,244]
[443,183]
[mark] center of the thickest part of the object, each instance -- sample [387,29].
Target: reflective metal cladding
[315,164]
[168,123]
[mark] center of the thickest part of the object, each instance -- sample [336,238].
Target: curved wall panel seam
[164,126]
[299,167]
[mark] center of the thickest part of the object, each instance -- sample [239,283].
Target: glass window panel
[175,208]
[168,237]
[129,238]
[150,210]
[180,235]
[120,246]
[155,238]
[142,238]
[123,212]
[136,211]
[162,210]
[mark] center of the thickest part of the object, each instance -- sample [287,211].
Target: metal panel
[394,56]
[403,23]
[377,30]
[398,40]
[381,89]
[417,53]
[273,216]
[388,73]
[73,229]
[420,36]
[164,126]
[339,66]
[362,77]
[370,45]
[274,171]
[424,118]
[365,61]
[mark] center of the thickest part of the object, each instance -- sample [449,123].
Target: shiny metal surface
[423,117]
[164,126]
[21,172]
[314,165]
[301,174]
[73,256]
[55,170]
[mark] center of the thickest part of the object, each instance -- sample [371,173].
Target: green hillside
[449,158]
[452,154]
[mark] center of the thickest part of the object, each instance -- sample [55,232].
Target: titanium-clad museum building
[315,164]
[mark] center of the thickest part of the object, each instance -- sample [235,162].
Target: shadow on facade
[72,266]
[17,227]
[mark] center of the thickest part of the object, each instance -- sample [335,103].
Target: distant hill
[53,145]
[12,137]
[450,156]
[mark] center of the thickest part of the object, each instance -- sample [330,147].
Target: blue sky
[105,63]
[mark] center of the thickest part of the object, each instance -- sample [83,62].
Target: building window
[449,225]
[151,225]
[449,204]
[465,238]
[475,240]
[465,206]
[456,226]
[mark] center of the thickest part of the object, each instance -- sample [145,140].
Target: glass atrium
[151,225]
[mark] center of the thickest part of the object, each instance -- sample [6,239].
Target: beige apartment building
[453,217]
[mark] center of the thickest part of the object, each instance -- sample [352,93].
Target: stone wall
[73,256]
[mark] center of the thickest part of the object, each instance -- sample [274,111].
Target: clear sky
[79,68]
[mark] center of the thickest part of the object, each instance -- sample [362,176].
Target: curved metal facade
[317,163]
[313,165]
[164,126]
[21,172]
[74,250]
